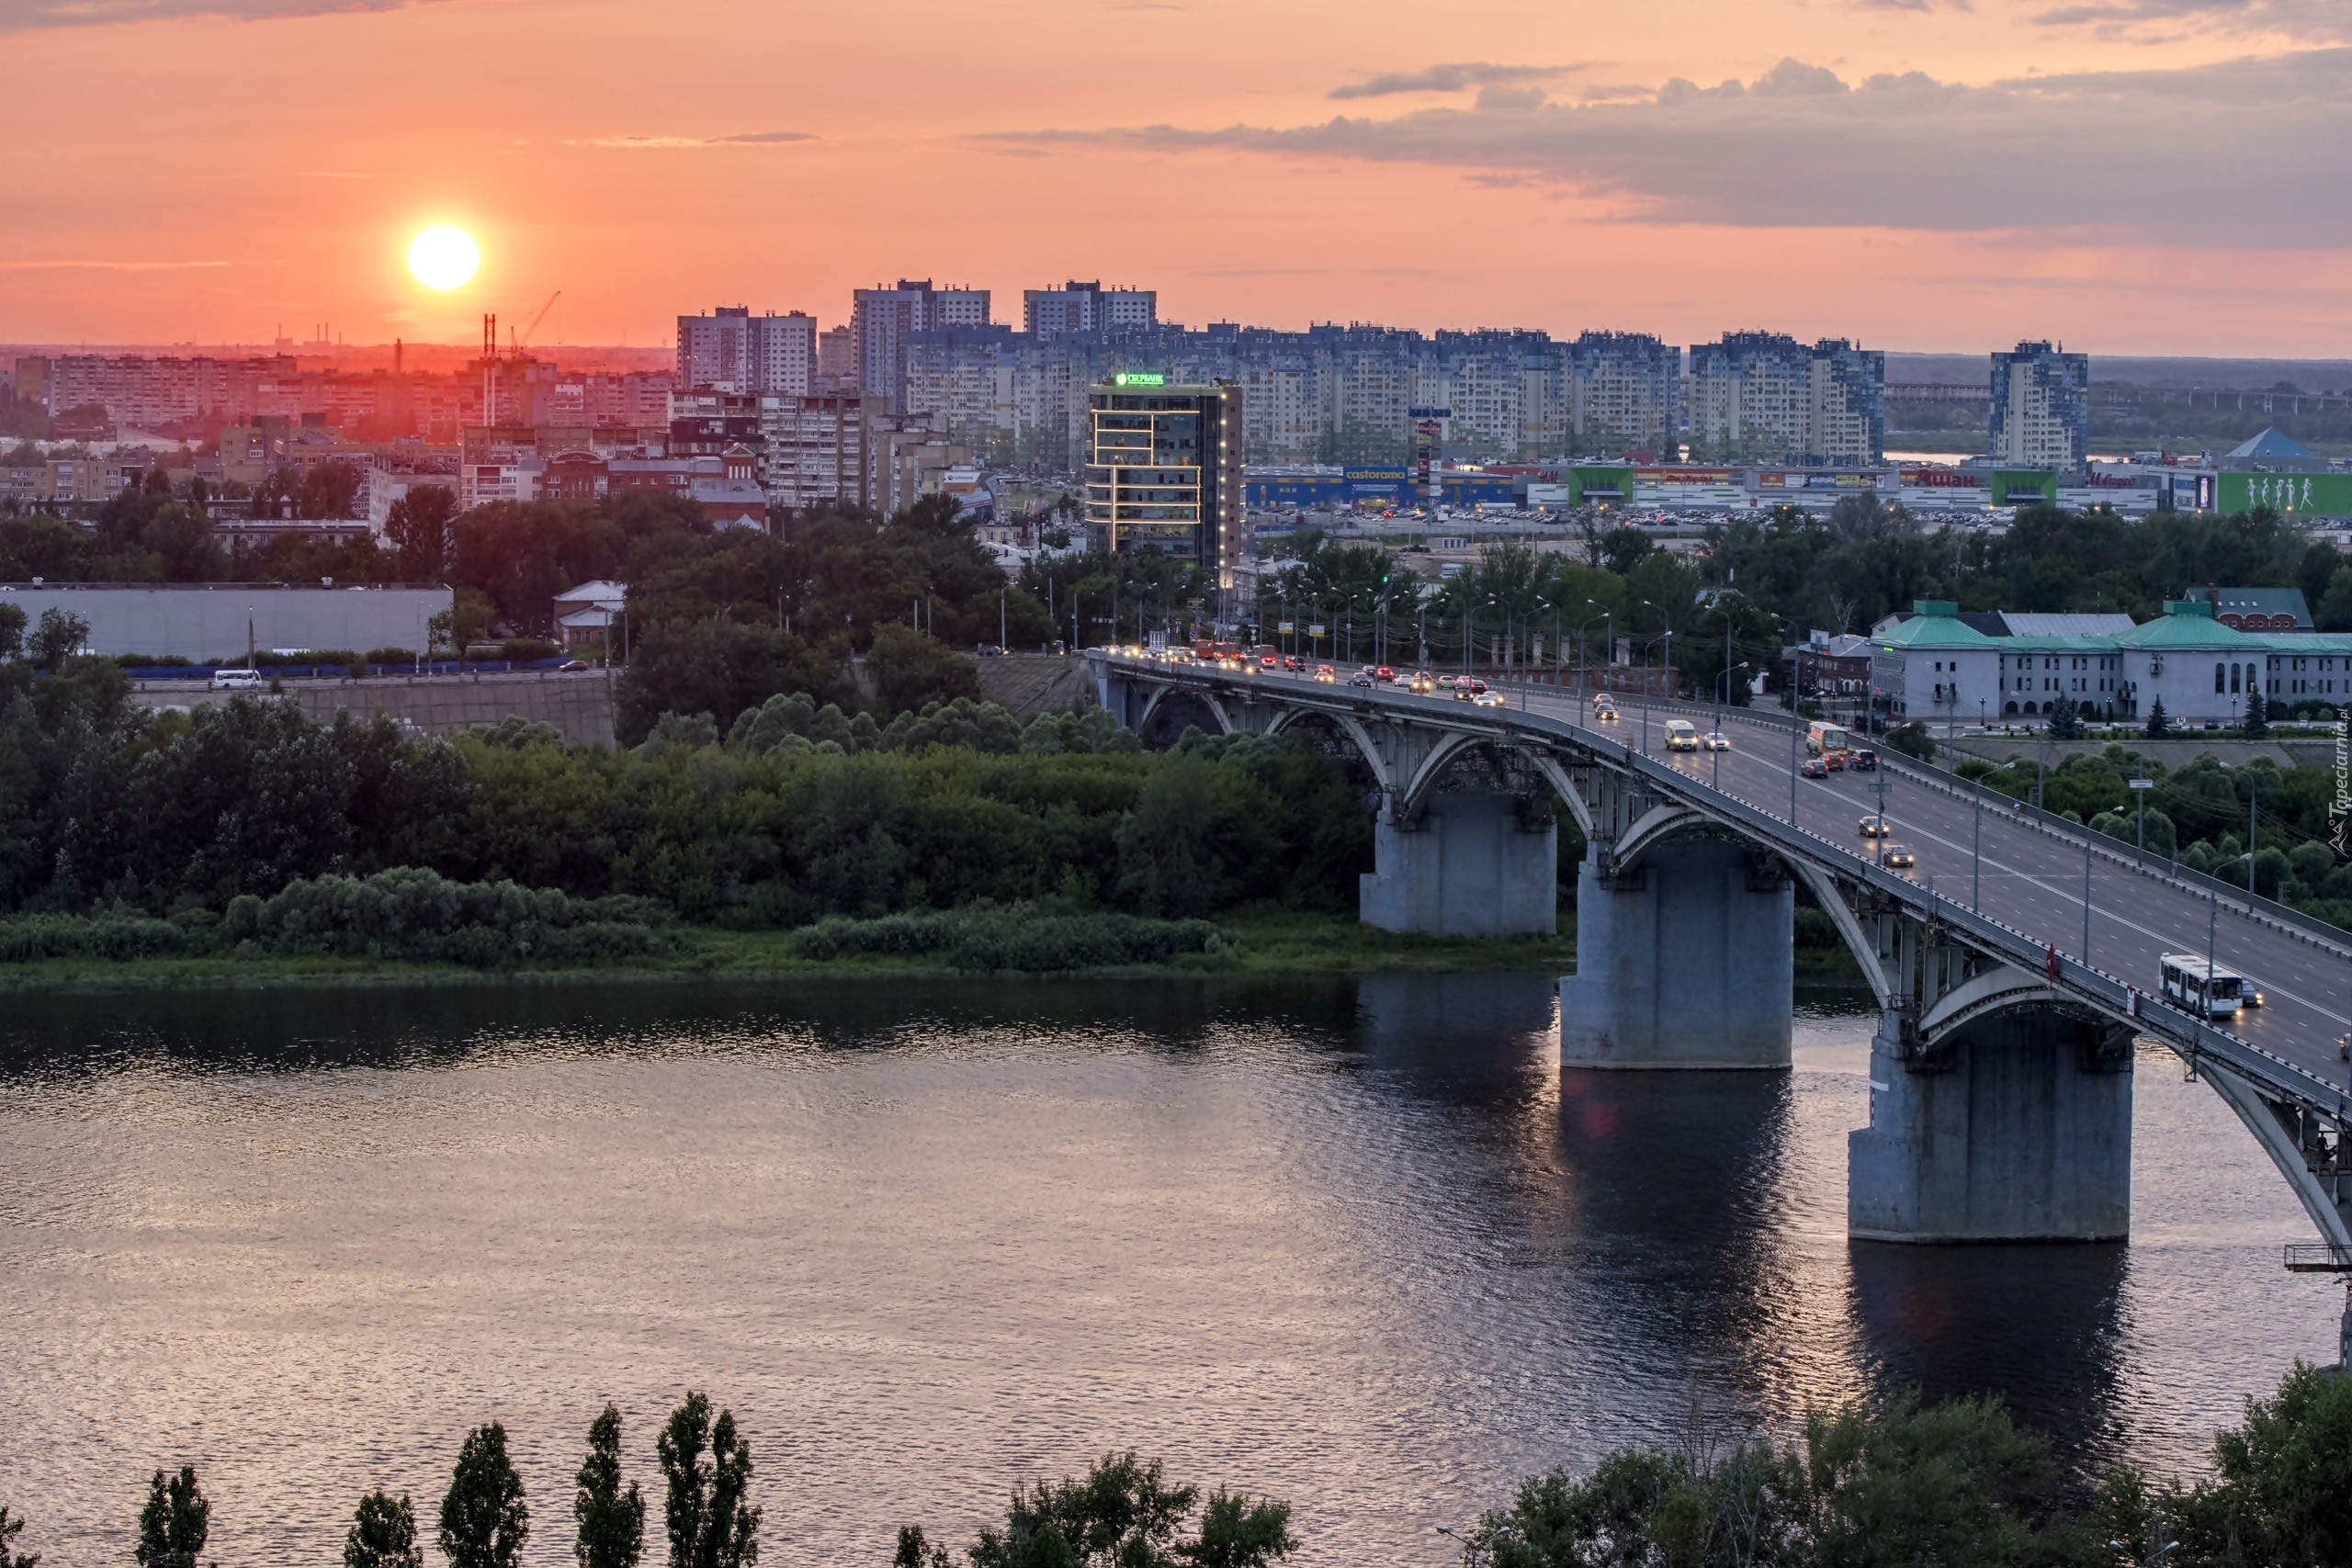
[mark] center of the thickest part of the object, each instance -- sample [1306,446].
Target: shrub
[1022,939]
[30,938]
[406,913]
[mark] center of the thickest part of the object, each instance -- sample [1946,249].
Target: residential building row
[165,393]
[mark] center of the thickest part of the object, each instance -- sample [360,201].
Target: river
[1356,1245]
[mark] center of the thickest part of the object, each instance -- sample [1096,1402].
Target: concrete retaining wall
[578,705]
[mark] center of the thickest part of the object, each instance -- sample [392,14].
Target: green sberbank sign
[1139,378]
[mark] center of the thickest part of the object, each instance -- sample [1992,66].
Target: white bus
[1682,735]
[2188,985]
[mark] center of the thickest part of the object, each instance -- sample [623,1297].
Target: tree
[914,1550]
[709,1524]
[612,1521]
[2066,720]
[383,1534]
[11,1529]
[2284,1479]
[1238,1533]
[420,529]
[1124,1513]
[2157,726]
[173,1524]
[12,630]
[2258,712]
[911,668]
[484,1520]
[719,668]
[59,636]
[1913,740]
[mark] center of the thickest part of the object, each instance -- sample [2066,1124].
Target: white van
[236,680]
[1682,735]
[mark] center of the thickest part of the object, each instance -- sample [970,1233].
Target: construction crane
[517,342]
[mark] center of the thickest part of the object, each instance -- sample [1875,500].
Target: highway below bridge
[2014,964]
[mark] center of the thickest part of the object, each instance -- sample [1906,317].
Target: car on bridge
[1326,675]
[1875,827]
[1423,681]
[1715,740]
[1384,674]
[1815,768]
[1862,760]
[1897,857]
[1361,678]
[1490,700]
[1608,714]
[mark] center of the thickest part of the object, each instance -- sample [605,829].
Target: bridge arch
[1165,700]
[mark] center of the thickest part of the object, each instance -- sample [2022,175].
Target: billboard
[1942,479]
[2024,487]
[2320,495]
[1600,487]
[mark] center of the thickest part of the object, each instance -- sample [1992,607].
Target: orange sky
[2130,176]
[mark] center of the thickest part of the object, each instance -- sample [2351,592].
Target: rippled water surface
[1359,1245]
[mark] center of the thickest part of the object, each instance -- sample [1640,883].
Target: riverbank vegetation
[1892,1481]
[248,838]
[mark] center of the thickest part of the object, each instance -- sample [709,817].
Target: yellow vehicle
[1682,735]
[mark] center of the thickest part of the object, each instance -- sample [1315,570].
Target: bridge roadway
[1974,850]
[2004,883]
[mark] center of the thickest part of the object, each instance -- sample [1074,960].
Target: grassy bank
[1031,941]
[1260,943]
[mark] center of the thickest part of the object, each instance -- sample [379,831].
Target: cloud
[2313,21]
[2250,150]
[743,139]
[106,266]
[24,16]
[1451,79]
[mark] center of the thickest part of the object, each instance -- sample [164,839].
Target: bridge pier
[1473,865]
[1685,960]
[2016,1128]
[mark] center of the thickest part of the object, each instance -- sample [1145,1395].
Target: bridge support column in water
[1686,960]
[2016,1127]
[1473,865]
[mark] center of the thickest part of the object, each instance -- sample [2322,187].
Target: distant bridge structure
[2000,1071]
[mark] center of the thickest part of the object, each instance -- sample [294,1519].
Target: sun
[442,257]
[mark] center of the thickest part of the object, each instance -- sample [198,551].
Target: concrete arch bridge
[2013,968]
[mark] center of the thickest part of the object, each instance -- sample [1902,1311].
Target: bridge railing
[2281,915]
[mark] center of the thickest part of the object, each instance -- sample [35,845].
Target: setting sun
[442,257]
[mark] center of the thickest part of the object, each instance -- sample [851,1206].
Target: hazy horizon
[2135,177]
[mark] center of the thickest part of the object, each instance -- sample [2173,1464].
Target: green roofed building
[1934,666]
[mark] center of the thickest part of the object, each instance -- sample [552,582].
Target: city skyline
[1917,178]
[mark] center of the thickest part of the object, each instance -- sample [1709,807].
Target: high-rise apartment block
[882,321]
[1622,389]
[1163,469]
[2042,408]
[1765,395]
[1087,308]
[813,450]
[735,351]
